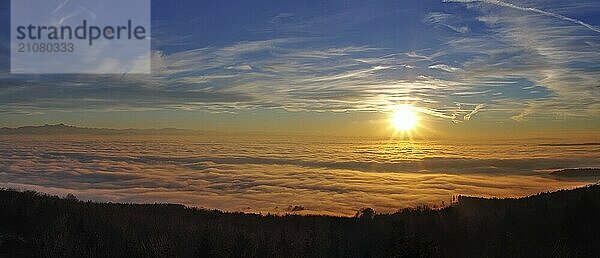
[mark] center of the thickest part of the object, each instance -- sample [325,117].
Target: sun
[404,118]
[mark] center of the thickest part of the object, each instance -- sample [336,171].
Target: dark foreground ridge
[560,224]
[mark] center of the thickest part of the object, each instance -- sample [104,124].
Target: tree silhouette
[560,224]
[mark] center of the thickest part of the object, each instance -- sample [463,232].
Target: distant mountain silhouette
[54,129]
[578,173]
[559,224]
[570,144]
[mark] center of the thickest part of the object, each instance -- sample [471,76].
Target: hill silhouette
[593,173]
[558,224]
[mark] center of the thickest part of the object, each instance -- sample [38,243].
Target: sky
[470,68]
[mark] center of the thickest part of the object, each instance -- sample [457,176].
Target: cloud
[446,20]
[522,116]
[214,174]
[286,76]
[476,110]
[445,68]
[282,17]
[550,56]
[528,9]
[240,67]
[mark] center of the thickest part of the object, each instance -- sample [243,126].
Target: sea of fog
[286,174]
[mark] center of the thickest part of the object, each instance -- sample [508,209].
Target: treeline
[560,224]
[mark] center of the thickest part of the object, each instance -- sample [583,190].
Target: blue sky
[228,64]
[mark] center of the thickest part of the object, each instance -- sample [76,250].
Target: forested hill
[559,224]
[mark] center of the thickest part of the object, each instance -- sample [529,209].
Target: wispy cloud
[286,76]
[529,9]
[446,20]
[476,110]
[445,68]
[551,55]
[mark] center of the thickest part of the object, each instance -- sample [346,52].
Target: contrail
[528,9]
[60,6]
